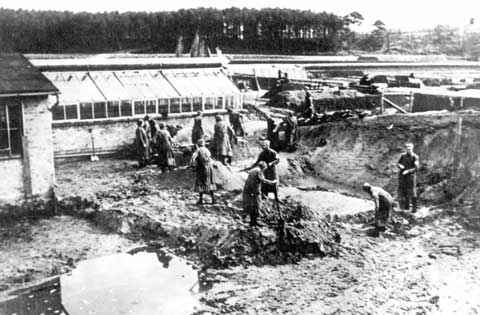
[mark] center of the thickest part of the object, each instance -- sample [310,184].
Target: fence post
[412,98]
[382,105]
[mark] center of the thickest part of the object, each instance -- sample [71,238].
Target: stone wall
[110,136]
[31,176]
[11,185]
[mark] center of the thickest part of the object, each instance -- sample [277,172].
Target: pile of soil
[350,153]
[297,233]
[144,204]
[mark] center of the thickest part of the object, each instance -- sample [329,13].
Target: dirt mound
[229,241]
[353,152]
[274,243]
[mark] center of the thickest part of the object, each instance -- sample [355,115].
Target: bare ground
[427,265]
[433,269]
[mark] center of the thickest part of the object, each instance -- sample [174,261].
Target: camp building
[26,146]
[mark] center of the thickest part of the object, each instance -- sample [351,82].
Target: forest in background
[234,30]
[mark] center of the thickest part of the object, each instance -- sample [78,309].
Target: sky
[396,14]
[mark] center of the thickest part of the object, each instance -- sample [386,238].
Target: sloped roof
[75,87]
[19,76]
[201,82]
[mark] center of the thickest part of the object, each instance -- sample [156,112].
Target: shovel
[93,157]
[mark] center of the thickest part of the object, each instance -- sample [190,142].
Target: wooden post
[461,102]
[457,146]
[412,98]
[27,174]
[382,105]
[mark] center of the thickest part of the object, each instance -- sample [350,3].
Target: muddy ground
[325,261]
[426,264]
[34,249]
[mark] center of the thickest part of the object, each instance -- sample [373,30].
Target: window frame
[142,104]
[7,152]
[104,109]
[161,105]
[91,110]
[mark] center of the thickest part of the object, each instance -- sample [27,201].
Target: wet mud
[321,256]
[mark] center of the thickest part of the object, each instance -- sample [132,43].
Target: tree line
[234,30]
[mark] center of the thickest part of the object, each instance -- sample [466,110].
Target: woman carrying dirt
[163,141]
[204,182]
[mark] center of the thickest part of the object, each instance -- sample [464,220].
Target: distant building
[26,145]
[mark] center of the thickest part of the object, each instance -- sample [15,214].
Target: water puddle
[139,283]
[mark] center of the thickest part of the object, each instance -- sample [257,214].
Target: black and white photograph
[204,157]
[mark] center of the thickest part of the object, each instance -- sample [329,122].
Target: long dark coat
[163,143]
[221,139]
[197,130]
[141,144]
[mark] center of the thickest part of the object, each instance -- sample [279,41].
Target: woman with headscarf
[163,143]
[204,181]
[221,140]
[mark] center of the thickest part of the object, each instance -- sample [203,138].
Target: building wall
[11,184]
[74,138]
[38,144]
[32,174]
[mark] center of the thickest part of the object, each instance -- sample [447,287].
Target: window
[162,105]
[151,107]
[219,104]
[186,105]
[113,108]
[71,112]
[209,101]
[58,112]
[228,101]
[86,111]
[232,101]
[100,110]
[175,105]
[10,129]
[197,104]
[126,108]
[139,107]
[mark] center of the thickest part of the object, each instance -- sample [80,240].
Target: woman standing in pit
[163,142]
[204,182]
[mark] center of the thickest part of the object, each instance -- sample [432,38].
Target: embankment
[352,152]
